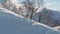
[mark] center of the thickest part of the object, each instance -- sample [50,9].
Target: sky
[53,4]
[50,4]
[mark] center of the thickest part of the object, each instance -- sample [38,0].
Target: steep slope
[11,24]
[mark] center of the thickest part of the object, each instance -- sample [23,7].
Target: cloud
[48,3]
[52,8]
[51,3]
[56,9]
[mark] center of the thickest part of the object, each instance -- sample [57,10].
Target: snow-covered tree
[26,8]
[32,6]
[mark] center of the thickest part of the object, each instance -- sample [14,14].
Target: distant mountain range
[48,17]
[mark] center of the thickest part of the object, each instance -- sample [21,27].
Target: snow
[11,12]
[55,17]
[12,24]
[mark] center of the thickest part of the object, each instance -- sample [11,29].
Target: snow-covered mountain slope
[10,12]
[48,17]
[11,24]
